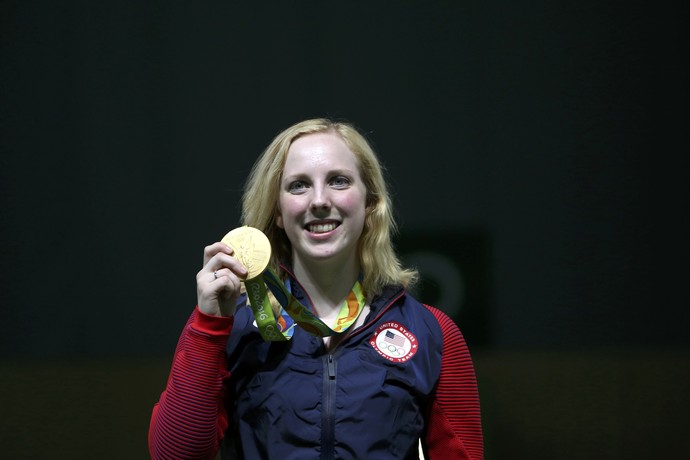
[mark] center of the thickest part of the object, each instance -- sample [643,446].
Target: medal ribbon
[293,311]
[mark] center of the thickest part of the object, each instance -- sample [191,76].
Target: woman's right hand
[218,284]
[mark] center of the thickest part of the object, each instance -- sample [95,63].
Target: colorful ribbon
[294,312]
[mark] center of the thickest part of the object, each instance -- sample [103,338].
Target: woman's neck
[327,282]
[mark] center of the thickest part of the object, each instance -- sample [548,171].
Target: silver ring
[215,275]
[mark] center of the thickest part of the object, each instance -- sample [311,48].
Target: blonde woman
[360,370]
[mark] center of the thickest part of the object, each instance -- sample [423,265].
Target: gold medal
[251,247]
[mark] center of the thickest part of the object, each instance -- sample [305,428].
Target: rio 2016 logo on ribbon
[394,342]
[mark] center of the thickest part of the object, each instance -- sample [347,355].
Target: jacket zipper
[329,388]
[328,412]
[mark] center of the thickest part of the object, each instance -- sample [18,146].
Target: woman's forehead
[319,150]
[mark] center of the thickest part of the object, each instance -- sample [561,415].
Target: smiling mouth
[322,228]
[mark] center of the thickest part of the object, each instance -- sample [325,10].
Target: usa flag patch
[394,342]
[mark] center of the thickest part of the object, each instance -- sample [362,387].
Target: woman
[389,372]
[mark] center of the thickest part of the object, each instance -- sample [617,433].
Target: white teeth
[322,228]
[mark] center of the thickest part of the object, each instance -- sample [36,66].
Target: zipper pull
[331,367]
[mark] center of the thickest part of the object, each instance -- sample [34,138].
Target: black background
[538,145]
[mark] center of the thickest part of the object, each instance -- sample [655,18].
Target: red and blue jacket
[405,374]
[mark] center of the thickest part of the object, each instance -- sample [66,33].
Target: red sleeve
[454,429]
[189,419]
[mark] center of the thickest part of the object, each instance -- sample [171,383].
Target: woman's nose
[320,199]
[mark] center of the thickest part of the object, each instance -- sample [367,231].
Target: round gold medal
[251,247]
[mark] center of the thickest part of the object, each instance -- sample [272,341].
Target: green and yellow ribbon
[293,312]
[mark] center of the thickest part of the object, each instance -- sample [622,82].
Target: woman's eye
[340,181]
[297,186]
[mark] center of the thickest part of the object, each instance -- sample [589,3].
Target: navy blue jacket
[365,399]
[404,375]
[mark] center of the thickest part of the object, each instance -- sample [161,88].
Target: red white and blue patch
[394,342]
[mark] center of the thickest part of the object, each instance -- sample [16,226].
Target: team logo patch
[394,342]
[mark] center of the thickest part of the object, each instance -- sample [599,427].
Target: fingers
[226,284]
[216,248]
[219,282]
[224,261]
[224,273]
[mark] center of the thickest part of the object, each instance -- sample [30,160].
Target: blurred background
[533,150]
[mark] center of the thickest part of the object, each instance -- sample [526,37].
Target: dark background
[536,147]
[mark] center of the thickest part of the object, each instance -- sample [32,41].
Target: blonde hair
[378,260]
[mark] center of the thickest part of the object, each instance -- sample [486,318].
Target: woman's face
[322,199]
